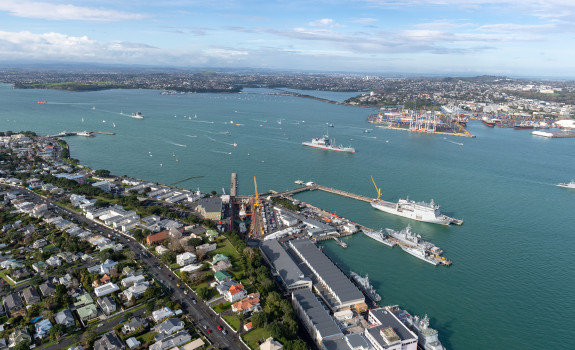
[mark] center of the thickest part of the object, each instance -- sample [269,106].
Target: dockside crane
[377,189]
[256,212]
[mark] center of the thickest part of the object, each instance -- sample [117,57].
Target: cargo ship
[490,122]
[524,125]
[325,143]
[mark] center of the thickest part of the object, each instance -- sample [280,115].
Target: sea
[513,278]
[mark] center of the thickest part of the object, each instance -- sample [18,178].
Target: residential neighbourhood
[90,260]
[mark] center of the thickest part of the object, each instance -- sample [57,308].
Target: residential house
[13,305]
[20,274]
[39,243]
[47,289]
[222,276]
[248,304]
[271,344]
[136,291]
[219,257]
[185,258]
[221,266]
[161,250]
[65,318]
[107,304]
[54,261]
[235,293]
[83,299]
[43,328]
[103,268]
[66,280]
[248,326]
[106,289]
[169,326]
[225,286]
[212,235]
[18,336]
[109,341]
[207,247]
[133,343]
[162,313]
[31,296]
[39,266]
[87,312]
[171,341]
[134,324]
[131,280]
[157,238]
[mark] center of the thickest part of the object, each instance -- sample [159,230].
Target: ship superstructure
[426,337]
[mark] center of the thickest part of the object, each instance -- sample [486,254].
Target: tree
[25,345]
[128,315]
[89,338]
[297,344]
[259,319]
[202,293]
[102,172]
[56,331]
[275,328]
[138,235]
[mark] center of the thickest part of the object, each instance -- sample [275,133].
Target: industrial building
[292,277]
[329,282]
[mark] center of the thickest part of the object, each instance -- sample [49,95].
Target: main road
[199,313]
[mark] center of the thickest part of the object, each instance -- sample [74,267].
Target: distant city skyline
[442,37]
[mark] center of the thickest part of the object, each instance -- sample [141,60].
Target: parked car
[219,327]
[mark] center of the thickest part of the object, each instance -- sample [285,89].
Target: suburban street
[200,313]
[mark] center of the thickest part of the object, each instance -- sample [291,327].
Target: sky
[443,37]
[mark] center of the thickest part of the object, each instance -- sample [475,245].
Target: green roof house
[219,257]
[222,276]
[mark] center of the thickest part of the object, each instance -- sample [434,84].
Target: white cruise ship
[420,211]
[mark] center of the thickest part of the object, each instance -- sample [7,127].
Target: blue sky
[506,37]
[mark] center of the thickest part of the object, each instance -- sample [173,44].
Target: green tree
[25,345]
[297,344]
[102,172]
[259,319]
[56,331]
[202,293]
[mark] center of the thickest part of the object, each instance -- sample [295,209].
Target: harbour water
[512,277]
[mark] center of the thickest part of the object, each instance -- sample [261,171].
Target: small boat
[235,144]
[568,185]
[42,102]
[93,108]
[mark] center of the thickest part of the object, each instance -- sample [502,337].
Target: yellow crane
[376,188]
[257,198]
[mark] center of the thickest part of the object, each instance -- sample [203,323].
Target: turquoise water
[512,277]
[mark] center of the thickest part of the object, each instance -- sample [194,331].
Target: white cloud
[44,10]
[324,22]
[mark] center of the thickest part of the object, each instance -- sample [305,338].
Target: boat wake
[176,144]
[455,143]
[222,152]
[193,136]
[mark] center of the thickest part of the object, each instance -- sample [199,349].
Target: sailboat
[114,124]
[82,119]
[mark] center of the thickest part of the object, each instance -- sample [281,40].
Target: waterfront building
[387,332]
[315,317]
[329,282]
[210,208]
[292,277]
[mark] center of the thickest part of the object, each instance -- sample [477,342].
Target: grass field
[252,337]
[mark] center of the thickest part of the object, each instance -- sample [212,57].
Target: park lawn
[174,266]
[4,274]
[252,337]
[233,321]
[227,249]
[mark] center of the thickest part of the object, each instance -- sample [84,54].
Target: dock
[314,186]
